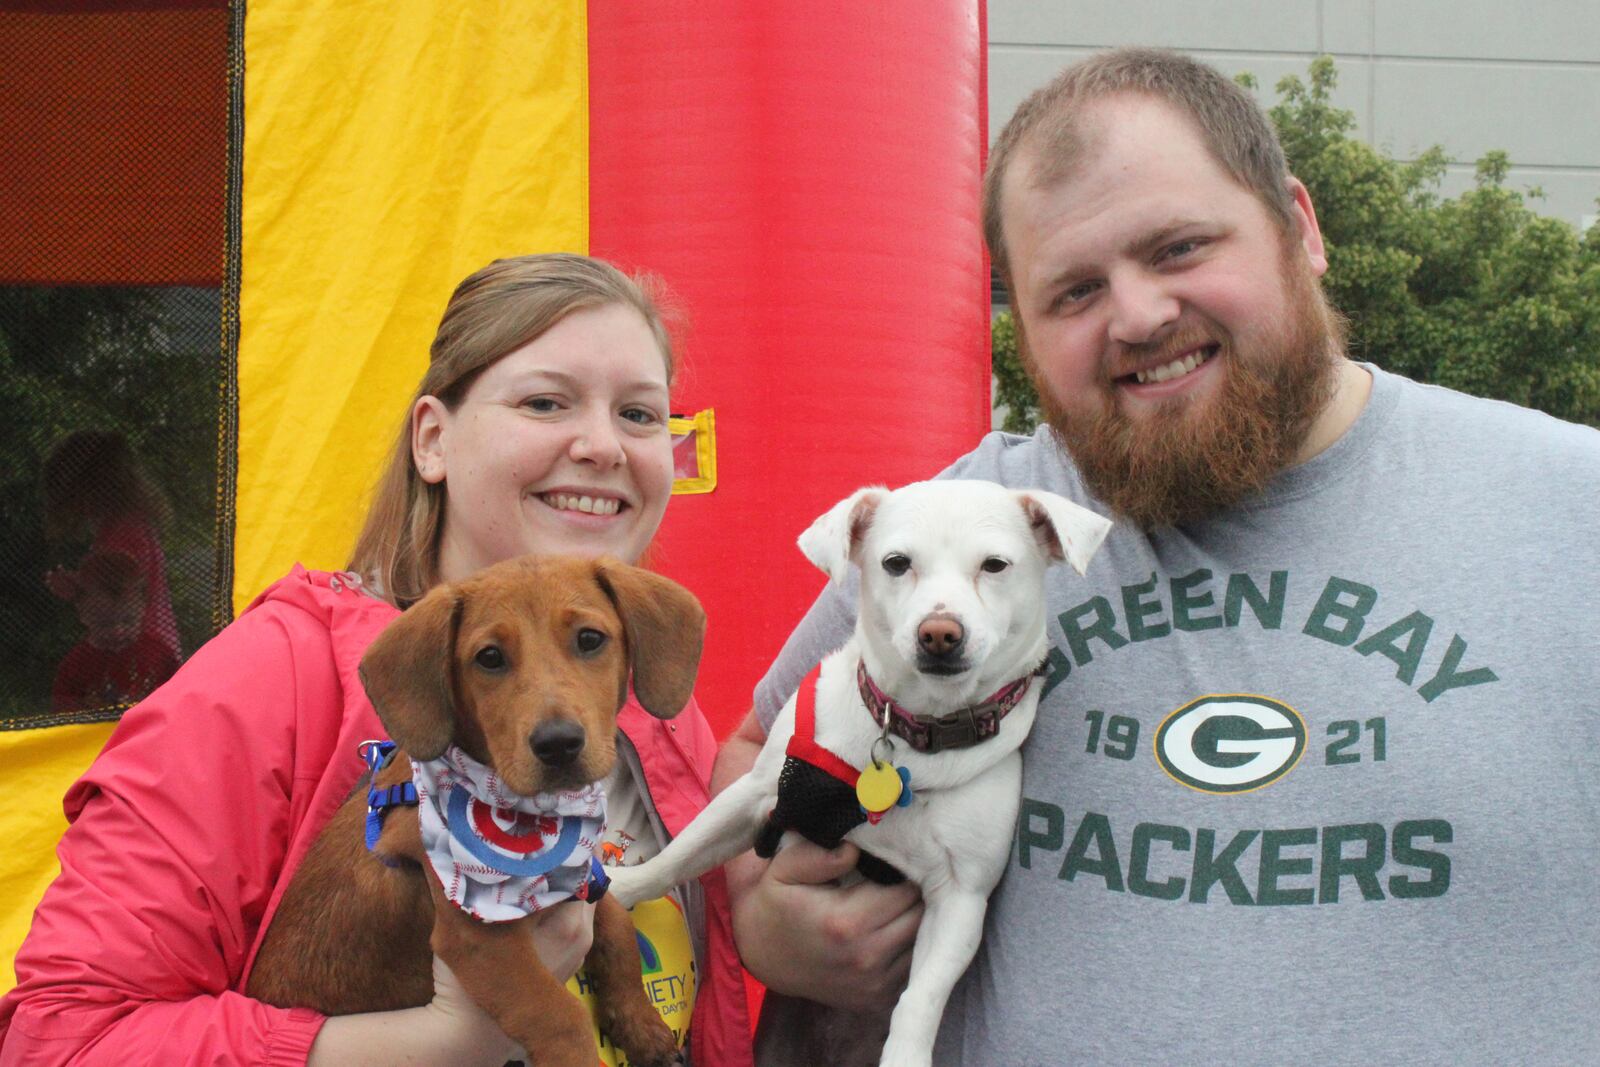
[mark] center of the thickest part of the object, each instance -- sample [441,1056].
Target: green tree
[1478,293]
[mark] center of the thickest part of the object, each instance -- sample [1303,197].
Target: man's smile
[1176,368]
[1171,376]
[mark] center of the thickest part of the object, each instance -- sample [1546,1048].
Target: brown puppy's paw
[647,1040]
[567,1048]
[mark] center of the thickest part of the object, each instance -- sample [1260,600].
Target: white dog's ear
[1064,530]
[833,540]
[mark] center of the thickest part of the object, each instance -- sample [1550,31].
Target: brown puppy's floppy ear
[409,674]
[665,626]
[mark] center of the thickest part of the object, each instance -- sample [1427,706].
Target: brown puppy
[524,667]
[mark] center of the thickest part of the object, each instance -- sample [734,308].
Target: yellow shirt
[666,949]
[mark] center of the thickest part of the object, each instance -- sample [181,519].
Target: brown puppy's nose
[557,743]
[940,635]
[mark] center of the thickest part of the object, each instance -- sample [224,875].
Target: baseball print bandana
[499,855]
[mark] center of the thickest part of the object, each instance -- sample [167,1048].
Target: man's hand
[800,932]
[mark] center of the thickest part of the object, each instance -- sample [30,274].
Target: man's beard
[1175,465]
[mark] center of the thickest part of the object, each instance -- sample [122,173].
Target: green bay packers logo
[1231,743]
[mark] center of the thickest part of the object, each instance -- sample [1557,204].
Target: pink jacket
[187,828]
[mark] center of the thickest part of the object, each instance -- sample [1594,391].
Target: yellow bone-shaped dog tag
[878,788]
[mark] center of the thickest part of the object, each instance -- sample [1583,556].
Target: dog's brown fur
[355,935]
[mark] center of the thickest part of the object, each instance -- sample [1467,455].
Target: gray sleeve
[826,627]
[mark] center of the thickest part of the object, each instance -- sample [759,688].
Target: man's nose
[1141,307]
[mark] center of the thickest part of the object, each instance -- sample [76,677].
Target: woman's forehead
[611,346]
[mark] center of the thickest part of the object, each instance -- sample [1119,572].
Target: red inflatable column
[805,177]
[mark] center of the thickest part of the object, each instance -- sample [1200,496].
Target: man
[1315,775]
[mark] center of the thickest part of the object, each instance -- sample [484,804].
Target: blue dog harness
[377,755]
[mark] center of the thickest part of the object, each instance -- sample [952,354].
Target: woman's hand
[562,936]
[804,935]
[451,1028]
[463,1031]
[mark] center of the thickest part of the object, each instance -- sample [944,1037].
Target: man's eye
[896,564]
[490,658]
[590,641]
[994,565]
[1067,298]
[1179,249]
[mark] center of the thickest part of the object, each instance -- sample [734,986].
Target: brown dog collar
[962,728]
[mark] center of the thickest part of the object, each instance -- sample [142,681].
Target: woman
[540,426]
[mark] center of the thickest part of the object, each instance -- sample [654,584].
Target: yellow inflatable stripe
[388,152]
[40,765]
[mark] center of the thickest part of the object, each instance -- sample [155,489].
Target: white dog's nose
[941,636]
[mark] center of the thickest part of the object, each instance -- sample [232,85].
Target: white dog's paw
[898,1052]
[629,885]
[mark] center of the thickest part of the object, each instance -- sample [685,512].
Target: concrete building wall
[1469,75]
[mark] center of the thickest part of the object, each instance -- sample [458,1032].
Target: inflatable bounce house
[231,229]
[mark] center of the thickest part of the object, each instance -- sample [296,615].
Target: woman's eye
[544,405]
[994,565]
[590,641]
[642,416]
[490,658]
[896,564]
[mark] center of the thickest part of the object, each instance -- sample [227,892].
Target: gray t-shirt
[1315,781]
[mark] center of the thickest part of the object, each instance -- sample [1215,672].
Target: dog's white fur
[952,841]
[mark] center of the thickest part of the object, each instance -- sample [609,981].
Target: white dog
[927,703]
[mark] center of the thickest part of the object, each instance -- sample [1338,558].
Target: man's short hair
[1234,129]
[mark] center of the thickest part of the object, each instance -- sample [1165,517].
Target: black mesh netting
[115,374]
[822,809]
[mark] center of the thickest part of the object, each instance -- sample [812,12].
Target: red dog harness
[817,793]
